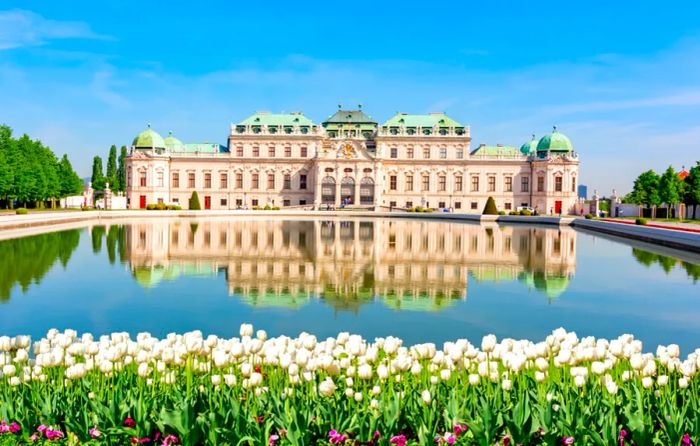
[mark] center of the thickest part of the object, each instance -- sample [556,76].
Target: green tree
[121,170]
[6,173]
[691,191]
[490,208]
[111,175]
[71,184]
[98,178]
[194,202]
[669,189]
[646,189]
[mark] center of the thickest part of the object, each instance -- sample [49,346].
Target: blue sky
[621,79]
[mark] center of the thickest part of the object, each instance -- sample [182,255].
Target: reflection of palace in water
[407,264]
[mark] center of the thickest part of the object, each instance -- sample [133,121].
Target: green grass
[669,220]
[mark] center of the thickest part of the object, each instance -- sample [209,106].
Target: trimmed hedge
[640,221]
[21,211]
[490,208]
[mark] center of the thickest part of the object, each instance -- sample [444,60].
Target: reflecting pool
[419,280]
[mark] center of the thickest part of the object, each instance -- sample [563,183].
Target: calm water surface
[421,281]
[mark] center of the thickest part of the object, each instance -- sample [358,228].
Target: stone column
[358,179]
[108,197]
[337,193]
[594,205]
[317,187]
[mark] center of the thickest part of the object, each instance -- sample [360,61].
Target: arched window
[328,190]
[367,190]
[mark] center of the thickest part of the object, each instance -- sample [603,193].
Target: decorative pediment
[347,150]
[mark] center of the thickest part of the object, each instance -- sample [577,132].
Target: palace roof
[350,117]
[149,138]
[497,150]
[277,119]
[555,142]
[429,120]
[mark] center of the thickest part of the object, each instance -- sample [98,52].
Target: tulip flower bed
[189,389]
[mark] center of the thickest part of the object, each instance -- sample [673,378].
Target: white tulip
[647,382]
[246,330]
[426,397]
[327,387]
[662,380]
[683,382]
[488,343]
[579,380]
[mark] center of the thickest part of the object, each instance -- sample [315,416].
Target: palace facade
[350,159]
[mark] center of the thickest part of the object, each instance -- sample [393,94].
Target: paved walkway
[676,225]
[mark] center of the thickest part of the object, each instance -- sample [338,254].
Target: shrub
[589,216]
[640,221]
[177,207]
[160,206]
[513,213]
[21,211]
[194,202]
[501,212]
[267,207]
[256,208]
[490,208]
[150,207]
[525,212]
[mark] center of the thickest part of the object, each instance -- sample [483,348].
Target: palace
[351,160]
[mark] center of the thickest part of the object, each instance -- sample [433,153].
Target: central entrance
[367,191]
[347,190]
[328,190]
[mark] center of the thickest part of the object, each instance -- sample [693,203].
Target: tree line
[116,171]
[653,190]
[30,173]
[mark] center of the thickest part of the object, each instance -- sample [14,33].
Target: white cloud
[20,28]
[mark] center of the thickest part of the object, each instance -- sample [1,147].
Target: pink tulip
[34,437]
[686,441]
[53,434]
[169,440]
[336,437]
[137,440]
[567,440]
[459,428]
[14,427]
[94,432]
[273,439]
[129,422]
[398,440]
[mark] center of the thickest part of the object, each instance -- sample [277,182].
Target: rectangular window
[492,184]
[426,152]
[159,179]
[288,151]
[392,204]
[176,180]
[460,154]
[224,202]
[287,181]
[239,181]
[190,180]
[224,181]
[409,182]
[239,202]
[441,204]
[271,151]
[254,202]
[409,152]
[409,204]
[525,184]
[508,186]
[239,151]
[302,202]
[458,205]
[443,153]
[304,152]
[458,183]
[426,183]
[286,203]
[392,182]
[302,181]
[558,184]
[474,205]
[442,184]
[207,180]
[573,184]
[142,179]
[255,180]
[475,184]
[176,200]
[394,152]
[270,180]
[508,206]
[256,151]
[540,184]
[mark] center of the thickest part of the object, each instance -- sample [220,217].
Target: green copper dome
[529,147]
[171,142]
[554,142]
[149,139]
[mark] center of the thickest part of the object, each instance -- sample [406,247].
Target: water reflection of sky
[417,280]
